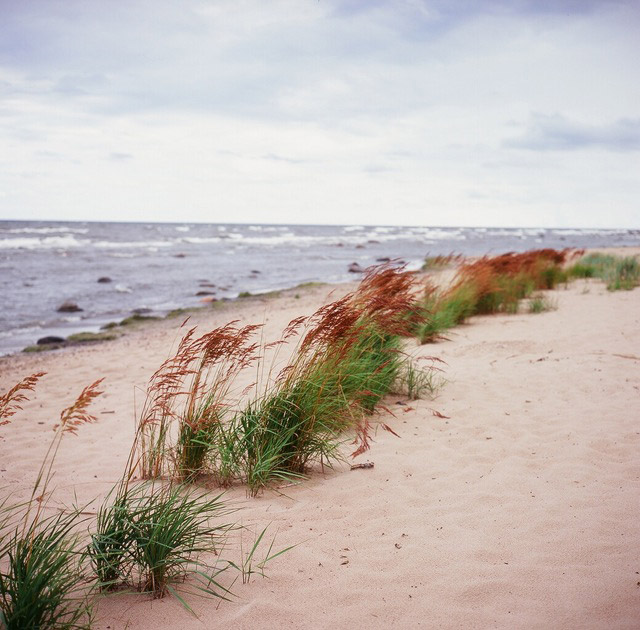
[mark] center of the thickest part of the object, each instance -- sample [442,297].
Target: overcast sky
[444,112]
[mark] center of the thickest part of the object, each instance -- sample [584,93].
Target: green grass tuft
[541,303]
[88,337]
[154,536]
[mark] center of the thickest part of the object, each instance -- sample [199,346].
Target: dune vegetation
[159,530]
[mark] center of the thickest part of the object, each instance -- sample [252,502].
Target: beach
[508,501]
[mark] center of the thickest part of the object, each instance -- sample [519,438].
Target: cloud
[359,110]
[557,133]
[118,156]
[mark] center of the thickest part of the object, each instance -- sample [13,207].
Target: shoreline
[161,267]
[515,511]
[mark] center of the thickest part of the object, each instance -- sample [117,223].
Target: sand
[519,510]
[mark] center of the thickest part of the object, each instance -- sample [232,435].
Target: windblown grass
[191,390]
[435,263]
[619,273]
[42,575]
[489,285]
[347,358]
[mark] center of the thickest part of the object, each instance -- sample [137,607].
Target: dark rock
[255,271]
[69,307]
[141,311]
[373,241]
[44,341]
[179,255]
[355,268]
[383,259]
[199,293]
[359,246]
[208,285]
[104,280]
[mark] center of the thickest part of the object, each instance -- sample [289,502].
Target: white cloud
[333,112]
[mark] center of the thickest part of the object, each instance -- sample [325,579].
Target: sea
[112,270]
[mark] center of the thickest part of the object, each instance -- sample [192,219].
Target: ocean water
[160,267]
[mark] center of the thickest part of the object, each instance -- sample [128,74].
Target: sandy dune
[518,511]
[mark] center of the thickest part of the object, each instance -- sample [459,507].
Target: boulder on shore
[69,307]
[45,341]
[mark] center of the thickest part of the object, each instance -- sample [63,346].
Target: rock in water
[69,307]
[355,268]
[44,341]
[104,279]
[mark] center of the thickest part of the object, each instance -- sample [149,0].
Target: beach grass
[618,272]
[347,358]
[489,285]
[416,382]
[42,568]
[541,303]
[152,537]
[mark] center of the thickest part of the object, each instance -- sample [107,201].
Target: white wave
[195,240]
[353,228]
[48,242]
[131,244]
[255,228]
[47,230]
[182,228]
[123,288]
[587,232]
[15,331]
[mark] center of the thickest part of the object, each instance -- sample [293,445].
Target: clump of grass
[42,579]
[625,275]
[137,318]
[347,358]
[489,285]
[435,263]
[541,303]
[191,389]
[43,583]
[89,337]
[154,536]
[416,382]
[619,273]
[309,285]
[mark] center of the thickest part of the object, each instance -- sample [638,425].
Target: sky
[397,112]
